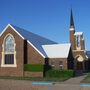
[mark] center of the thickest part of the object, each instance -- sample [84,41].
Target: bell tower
[72,31]
[76,38]
[77,45]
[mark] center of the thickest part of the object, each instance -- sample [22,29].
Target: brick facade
[56,62]
[25,54]
[33,74]
[13,71]
[33,56]
[72,39]
[68,63]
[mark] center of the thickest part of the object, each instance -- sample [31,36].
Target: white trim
[87,57]
[78,50]
[13,29]
[35,48]
[8,65]
[79,58]
[22,38]
[78,33]
[72,29]
[3,54]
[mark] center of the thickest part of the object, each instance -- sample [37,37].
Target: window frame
[78,42]
[61,65]
[3,53]
[53,63]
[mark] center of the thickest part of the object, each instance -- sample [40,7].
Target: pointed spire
[71,20]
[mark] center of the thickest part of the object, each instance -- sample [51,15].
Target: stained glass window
[78,41]
[9,50]
[9,45]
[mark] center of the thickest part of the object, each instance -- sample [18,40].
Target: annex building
[19,47]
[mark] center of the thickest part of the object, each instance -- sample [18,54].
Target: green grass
[33,67]
[51,75]
[86,79]
[35,79]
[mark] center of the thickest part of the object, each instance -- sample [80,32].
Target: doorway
[79,66]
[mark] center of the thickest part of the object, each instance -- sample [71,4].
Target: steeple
[71,20]
[72,31]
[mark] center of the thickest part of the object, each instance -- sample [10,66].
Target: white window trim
[53,65]
[3,54]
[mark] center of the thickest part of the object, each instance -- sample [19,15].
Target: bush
[59,73]
[33,67]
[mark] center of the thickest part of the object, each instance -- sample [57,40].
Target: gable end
[22,38]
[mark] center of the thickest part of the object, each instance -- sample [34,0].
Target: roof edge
[57,44]
[35,48]
[9,25]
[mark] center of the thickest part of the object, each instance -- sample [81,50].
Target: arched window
[9,50]
[9,53]
[78,41]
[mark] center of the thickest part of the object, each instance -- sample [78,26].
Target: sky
[47,18]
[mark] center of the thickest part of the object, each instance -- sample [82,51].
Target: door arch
[79,63]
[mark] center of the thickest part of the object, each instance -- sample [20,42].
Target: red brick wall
[33,56]
[56,62]
[33,74]
[13,71]
[72,40]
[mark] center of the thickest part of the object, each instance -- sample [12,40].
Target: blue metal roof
[35,39]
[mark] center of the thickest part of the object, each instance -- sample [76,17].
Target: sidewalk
[71,84]
[74,80]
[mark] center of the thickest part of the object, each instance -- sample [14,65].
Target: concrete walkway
[74,80]
[71,84]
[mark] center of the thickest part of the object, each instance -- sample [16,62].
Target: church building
[19,47]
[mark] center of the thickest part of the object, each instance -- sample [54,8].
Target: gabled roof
[57,50]
[33,39]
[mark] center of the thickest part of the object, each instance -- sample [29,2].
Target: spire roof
[71,20]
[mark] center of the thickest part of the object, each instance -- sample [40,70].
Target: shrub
[33,67]
[59,73]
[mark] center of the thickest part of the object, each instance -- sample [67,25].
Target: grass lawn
[36,79]
[50,75]
[86,79]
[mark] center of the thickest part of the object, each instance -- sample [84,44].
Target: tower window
[78,41]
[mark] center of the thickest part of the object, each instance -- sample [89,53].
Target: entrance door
[79,65]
